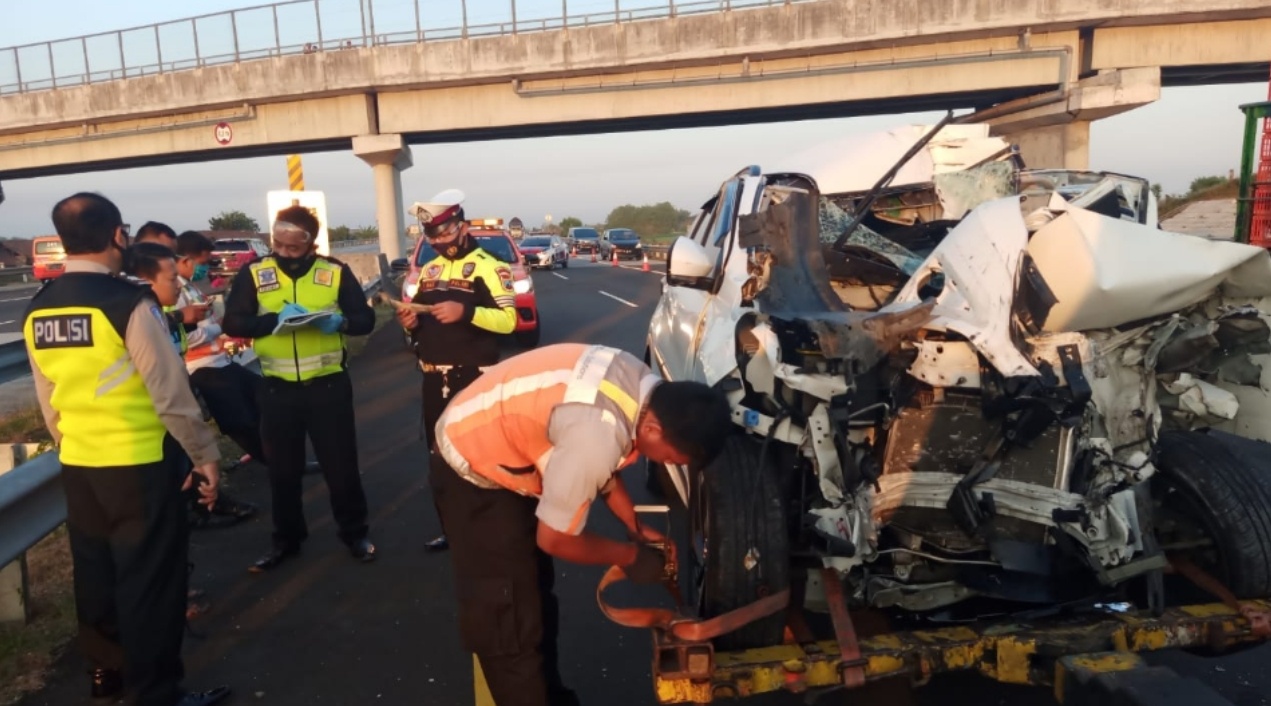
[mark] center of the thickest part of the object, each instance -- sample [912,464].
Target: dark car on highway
[623,241]
[584,240]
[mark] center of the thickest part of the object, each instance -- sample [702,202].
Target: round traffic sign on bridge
[223,133]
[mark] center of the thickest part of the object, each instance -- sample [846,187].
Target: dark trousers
[322,409]
[231,393]
[508,614]
[129,545]
[438,390]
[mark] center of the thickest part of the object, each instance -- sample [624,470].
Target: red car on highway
[499,244]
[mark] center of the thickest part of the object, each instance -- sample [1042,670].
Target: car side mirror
[401,264]
[689,265]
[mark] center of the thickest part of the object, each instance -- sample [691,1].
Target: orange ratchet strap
[680,627]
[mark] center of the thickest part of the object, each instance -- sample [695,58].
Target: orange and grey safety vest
[495,432]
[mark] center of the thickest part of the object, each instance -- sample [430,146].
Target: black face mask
[294,267]
[461,246]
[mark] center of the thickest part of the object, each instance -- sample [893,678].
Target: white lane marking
[6,323]
[557,274]
[624,301]
[19,299]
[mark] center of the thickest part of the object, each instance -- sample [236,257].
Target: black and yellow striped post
[295,173]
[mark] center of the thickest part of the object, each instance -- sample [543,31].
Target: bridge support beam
[1055,147]
[1052,130]
[388,156]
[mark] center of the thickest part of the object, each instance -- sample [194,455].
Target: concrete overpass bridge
[1039,71]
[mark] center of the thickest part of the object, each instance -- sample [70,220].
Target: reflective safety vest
[305,353]
[495,432]
[74,334]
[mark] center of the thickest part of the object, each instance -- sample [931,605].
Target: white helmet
[438,209]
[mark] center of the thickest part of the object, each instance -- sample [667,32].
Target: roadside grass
[28,652]
[24,427]
[357,344]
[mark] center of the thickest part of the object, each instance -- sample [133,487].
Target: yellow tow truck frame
[1066,654]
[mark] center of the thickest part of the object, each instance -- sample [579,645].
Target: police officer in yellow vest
[307,389]
[473,305]
[116,399]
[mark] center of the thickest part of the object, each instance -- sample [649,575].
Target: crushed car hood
[1106,272]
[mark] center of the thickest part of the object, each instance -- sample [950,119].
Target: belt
[431,368]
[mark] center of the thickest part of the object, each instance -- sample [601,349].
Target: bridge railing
[306,27]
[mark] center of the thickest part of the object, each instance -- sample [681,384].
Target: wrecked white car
[968,388]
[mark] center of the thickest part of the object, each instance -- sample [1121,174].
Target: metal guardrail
[656,252]
[32,503]
[13,360]
[347,244]
[10,274]
[299,27]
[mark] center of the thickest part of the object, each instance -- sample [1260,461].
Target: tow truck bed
[1088,659]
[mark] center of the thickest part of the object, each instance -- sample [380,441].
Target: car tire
[738,503]
[564,265]
[1216,481]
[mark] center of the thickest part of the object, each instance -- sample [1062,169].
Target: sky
[1190,132]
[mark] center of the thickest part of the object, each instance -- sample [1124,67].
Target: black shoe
[105,683]
[312,468]
[437,544]
[276,556]
[205,698]
[362,549]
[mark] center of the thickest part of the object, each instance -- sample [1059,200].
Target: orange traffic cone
[574,253]
[645,266]
[615,258]
[593,255]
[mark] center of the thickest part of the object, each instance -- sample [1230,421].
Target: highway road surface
[323,629]
[13,303]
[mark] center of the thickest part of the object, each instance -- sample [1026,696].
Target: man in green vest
[299,306]
[115,397]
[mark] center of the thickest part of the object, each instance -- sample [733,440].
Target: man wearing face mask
[117,402]
[307,390]
[472,302]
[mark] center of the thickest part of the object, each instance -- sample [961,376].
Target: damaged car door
[700,296]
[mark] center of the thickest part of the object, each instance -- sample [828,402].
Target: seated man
[228,389]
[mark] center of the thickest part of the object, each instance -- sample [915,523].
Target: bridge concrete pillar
[388,155]
[1052,130]
[1055,147]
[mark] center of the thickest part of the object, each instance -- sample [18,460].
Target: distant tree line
[651,221]
[239,221]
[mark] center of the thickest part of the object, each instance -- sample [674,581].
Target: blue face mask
[200,273]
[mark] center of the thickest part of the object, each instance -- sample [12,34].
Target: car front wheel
[1212,505]
[737,541]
